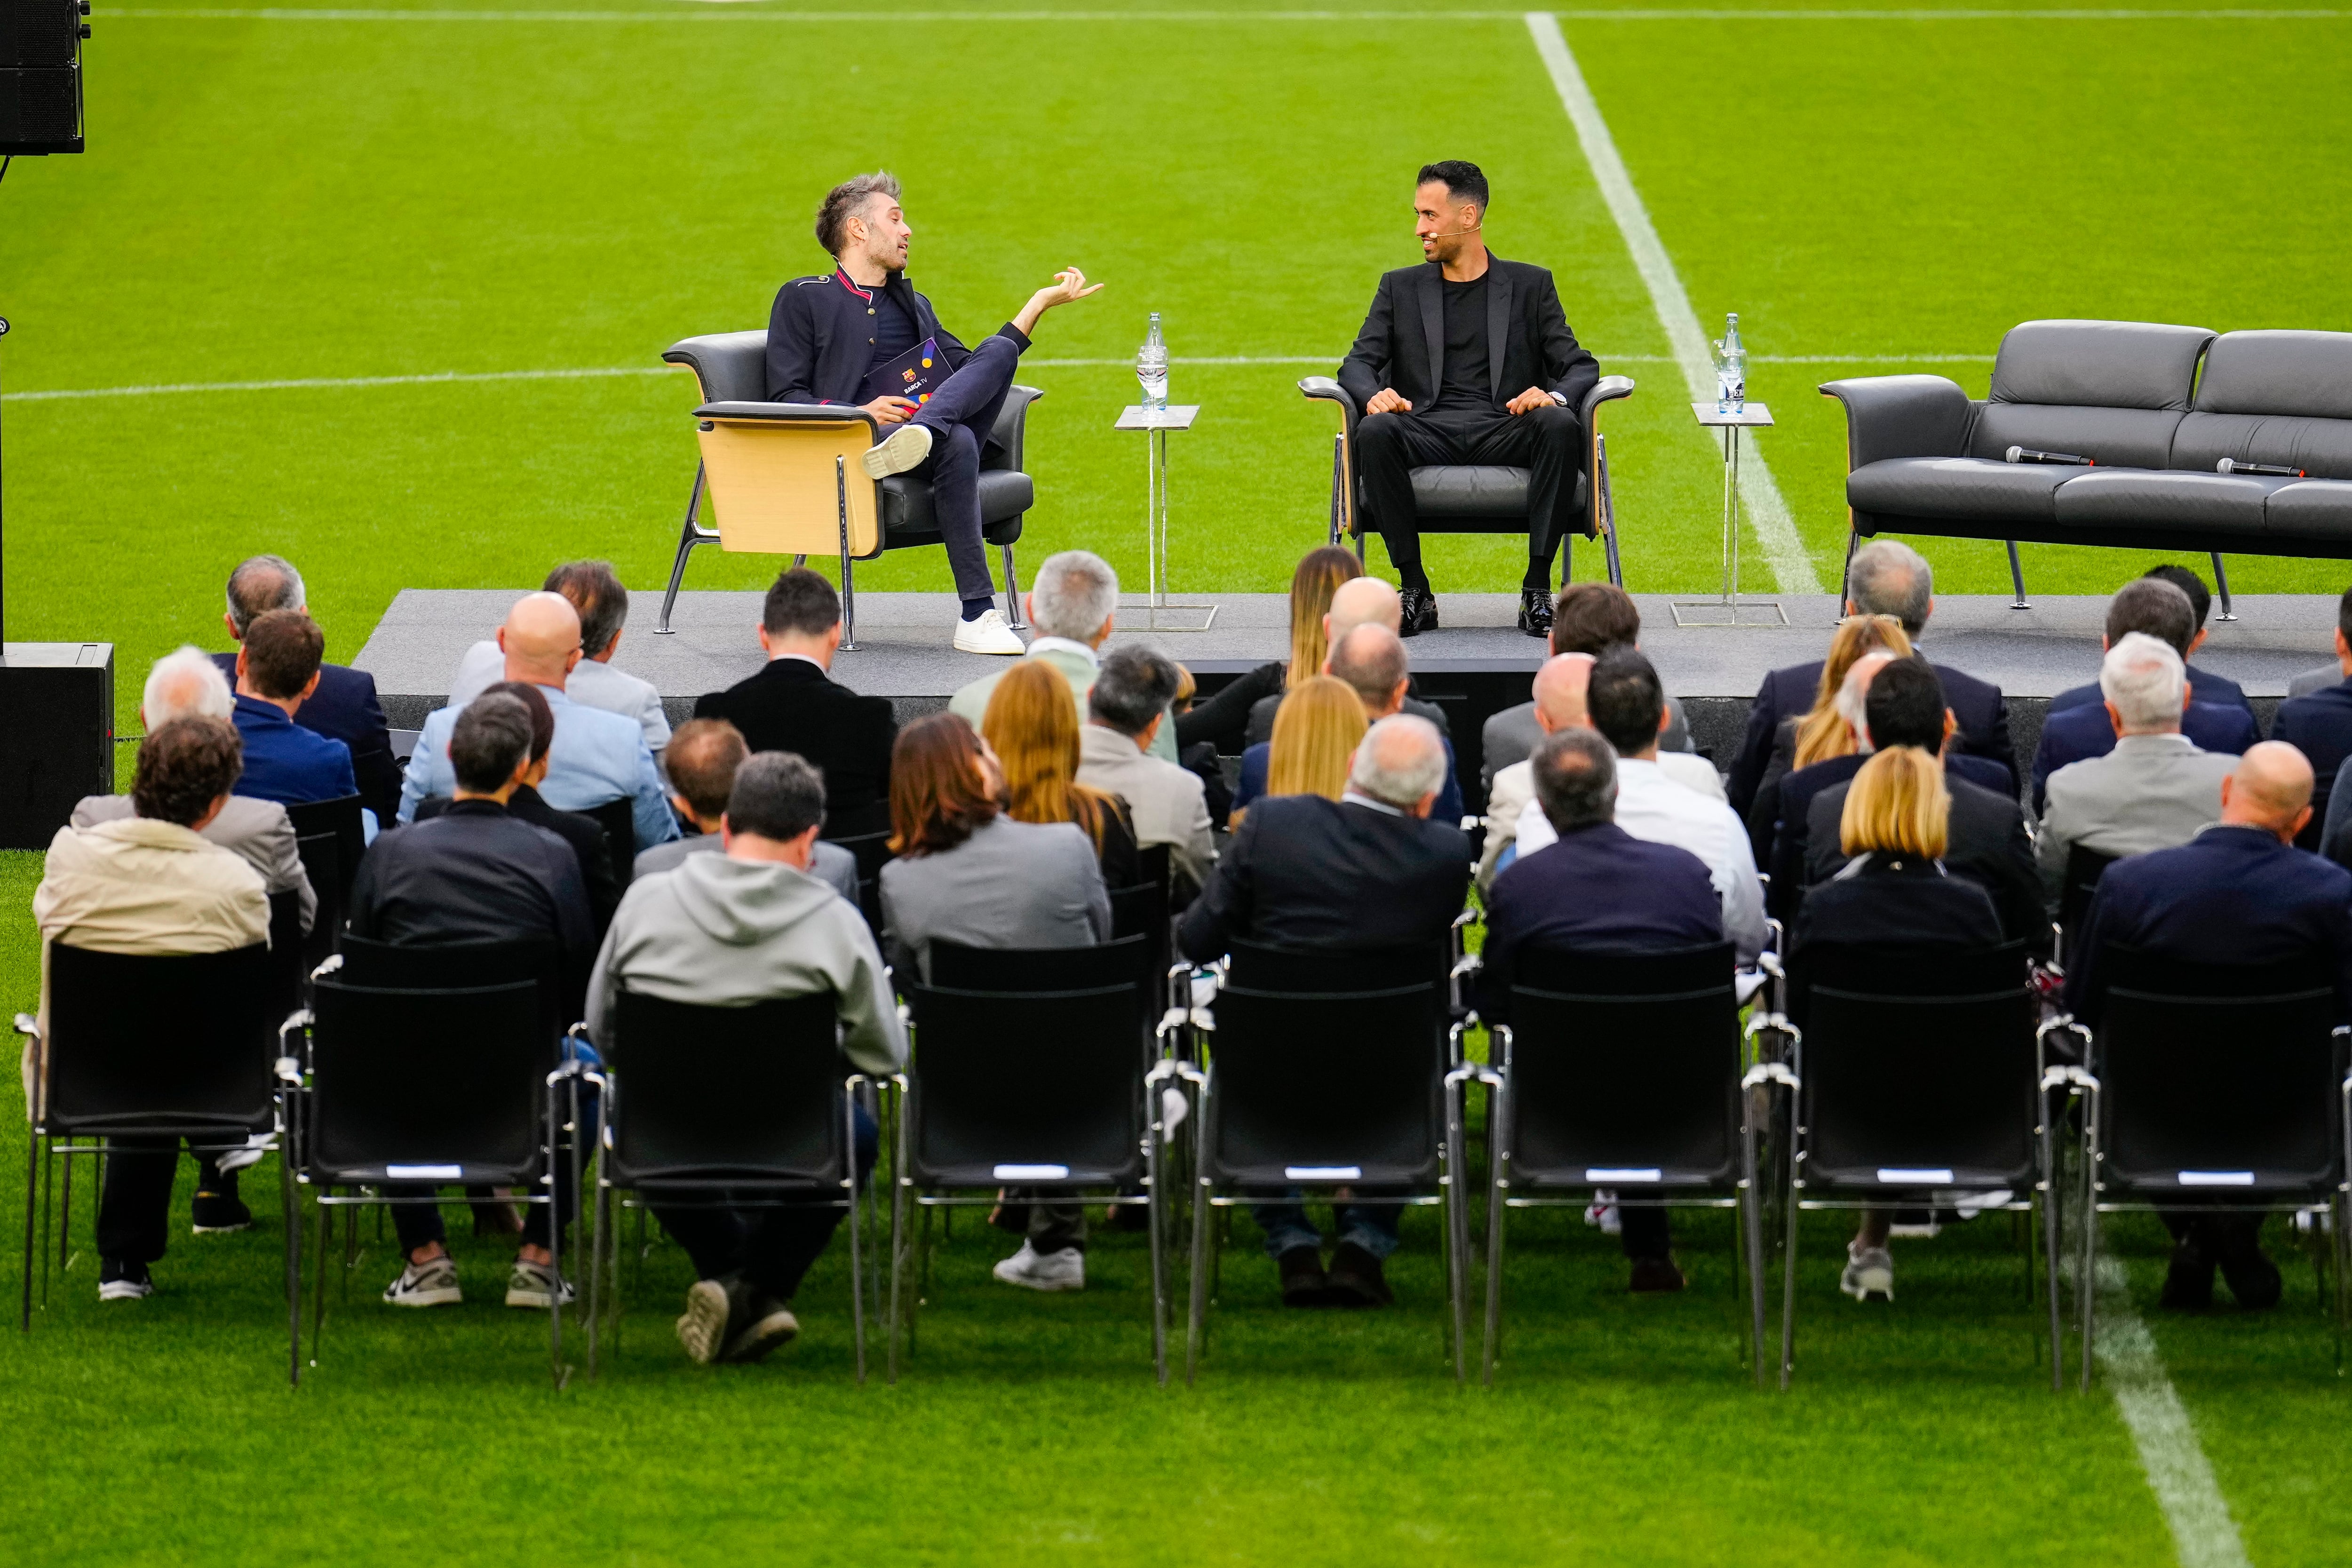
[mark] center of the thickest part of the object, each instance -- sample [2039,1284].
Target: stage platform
[1475,664]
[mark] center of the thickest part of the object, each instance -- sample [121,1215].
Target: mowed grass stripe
[2077,13]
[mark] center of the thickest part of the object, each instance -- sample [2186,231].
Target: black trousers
[1547,442]
[134,1212]
[418,1217]
[961,415]
[1642,1231]
[770,1247]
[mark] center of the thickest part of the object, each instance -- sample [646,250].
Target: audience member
[1199,758]
[1559,705]
[966,871]
[702,759]
[2236,894]
[1167,804]
[1074,605]
[1358,602]
[1627,705]
[2078,727]
[1894,892]
[1589,618]
[2155,790]
[1314,736]
[794,704]
[747,925]
[1886,577]
[343,707]
[596,757]
[1986,838]
[276,670]
[150,883]
[2319,723]
[1370,870]
[1825,732]
[2210,685]
[474,874]
[1034,737]
[1598,889]
[1227,715]
[595,590]
[1370,660]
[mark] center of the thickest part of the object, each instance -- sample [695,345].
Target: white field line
[1647,14]
[2177,1471]
[1792,567]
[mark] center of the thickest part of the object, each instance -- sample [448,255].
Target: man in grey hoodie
[746,926]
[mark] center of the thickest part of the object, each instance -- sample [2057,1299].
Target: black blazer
[1308,872]
[1988,848]
[1888,900]
[1599,890]
[2085,731]
[2319,725]
[791,705]
[345,709]
[1529,342]
[821,337]
[1779,827]
[582,832]
[1977,707]
[2204,686]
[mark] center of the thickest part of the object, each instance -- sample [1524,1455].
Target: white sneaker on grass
[903,448]
[989,634]
[433,1284]
[1062,1270]
[703,1327]
[1869,1272]
[532,1284]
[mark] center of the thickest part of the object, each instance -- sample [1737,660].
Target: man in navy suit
[343,707]
[1888,577]
[2319,724]
[277,671]
[2217,719]
[1598,889]
[2236,894]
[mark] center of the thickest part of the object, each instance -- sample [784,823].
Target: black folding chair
[436,1066]
[1917,1069]
[618,818]
[872,852]
[1621,1071]
[2083,869]
[1329,1070]
[173,1046]
[2223,1085]
[725,1107]
[1143,910]
[329,837]
[1034,1069]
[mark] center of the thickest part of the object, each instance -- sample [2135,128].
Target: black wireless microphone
[2030,455]
[2231,466]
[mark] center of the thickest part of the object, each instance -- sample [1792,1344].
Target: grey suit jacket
[2312,680]
[1167,804]
[1513,735]
[1011,884]
[832,865]
[258,830]
[2152,791]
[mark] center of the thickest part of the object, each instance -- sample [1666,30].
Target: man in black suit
[2319,723]
[1887,578]
[1368,870]
[343,707]
[2238,893]
[1988,842]
[1599,890]
[828,333]
[792,705]
[2218,718]
[1468,359]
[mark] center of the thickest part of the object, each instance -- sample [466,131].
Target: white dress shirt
[590,684]
[1514,787]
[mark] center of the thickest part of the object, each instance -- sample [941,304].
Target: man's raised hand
[1386,401]
[1068,284]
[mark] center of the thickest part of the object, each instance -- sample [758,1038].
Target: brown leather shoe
[1356,1279]
[1303,1282]
[1654,1274]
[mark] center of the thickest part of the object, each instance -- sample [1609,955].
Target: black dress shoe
[1356,1279]
[1654,1274]
[1303,1283]
[1535,612]
[1419,612]
[2189,1282]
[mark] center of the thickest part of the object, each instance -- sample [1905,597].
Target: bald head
[541,639]
[1371,660]
[2270,789]
[1400,762]
[1559,692]
[1361,602]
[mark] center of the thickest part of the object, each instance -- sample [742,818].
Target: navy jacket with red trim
[821,336]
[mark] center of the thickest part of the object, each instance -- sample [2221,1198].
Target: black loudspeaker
[57,743]
[40,75]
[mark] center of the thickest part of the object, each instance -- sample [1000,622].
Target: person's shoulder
[1517,778]
[93,809]
[972,695]
[1959,681]
[1967,795]
[342,680]
[608,728]
[2084,719]
[1523,274]
[1396,277]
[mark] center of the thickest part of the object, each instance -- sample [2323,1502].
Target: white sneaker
[903,448]
[433,1284]
[535,1285]
[1603,1212]
[988,635]
[1869,1272]
[1062,1270]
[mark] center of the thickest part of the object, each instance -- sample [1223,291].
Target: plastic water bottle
[1151,366]
[1730,369]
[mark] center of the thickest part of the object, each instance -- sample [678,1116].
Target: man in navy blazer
[1598,889]
[2319,723]
[2210,685]
[276,670]
[1888,577]
[343,707]
[2238,893]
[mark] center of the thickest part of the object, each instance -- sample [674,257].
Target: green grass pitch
[399,192]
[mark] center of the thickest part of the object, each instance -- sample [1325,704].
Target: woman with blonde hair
[1033,729]
[1226,715]
[1823,732]
[1315,731]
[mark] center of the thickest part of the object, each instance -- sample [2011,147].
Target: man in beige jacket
[149,884]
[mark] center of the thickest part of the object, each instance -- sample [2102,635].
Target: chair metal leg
[48,1190]
[1457,1232]
[1788,1281]
[600,1200]
[2016,577]
[1751,1228]
[1012,616]
[2086,1281]
[856,1269]
[1497,1207]
[848,571]
[690,536]
[65,1216]
[318,1285]
[555,1173]
[1154,1176]
[1196,1325]
[898,1222]
[2052,1188]
[915,1298]
[2221,589]
[33,1140]
[290,1210]
[1846,574]
[1606,510]
[1339,472]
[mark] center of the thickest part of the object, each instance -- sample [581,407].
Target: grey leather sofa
[2157,408]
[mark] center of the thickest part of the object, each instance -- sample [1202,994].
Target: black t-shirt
[1462,387]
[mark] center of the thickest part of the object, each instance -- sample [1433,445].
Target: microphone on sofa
[2231,466]
[2030,455]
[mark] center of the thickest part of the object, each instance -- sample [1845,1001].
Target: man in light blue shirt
[596,756]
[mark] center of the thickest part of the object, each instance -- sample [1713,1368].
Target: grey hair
[2145,679]
[1852,699]
[262,584]
[776,795]
[845,201]
[1405,778]
[1575,778]
[1132,687]
[186,684]
[1890,578]
[1074,594]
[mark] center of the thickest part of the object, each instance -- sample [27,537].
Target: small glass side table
[1730,610]
[1155,424]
